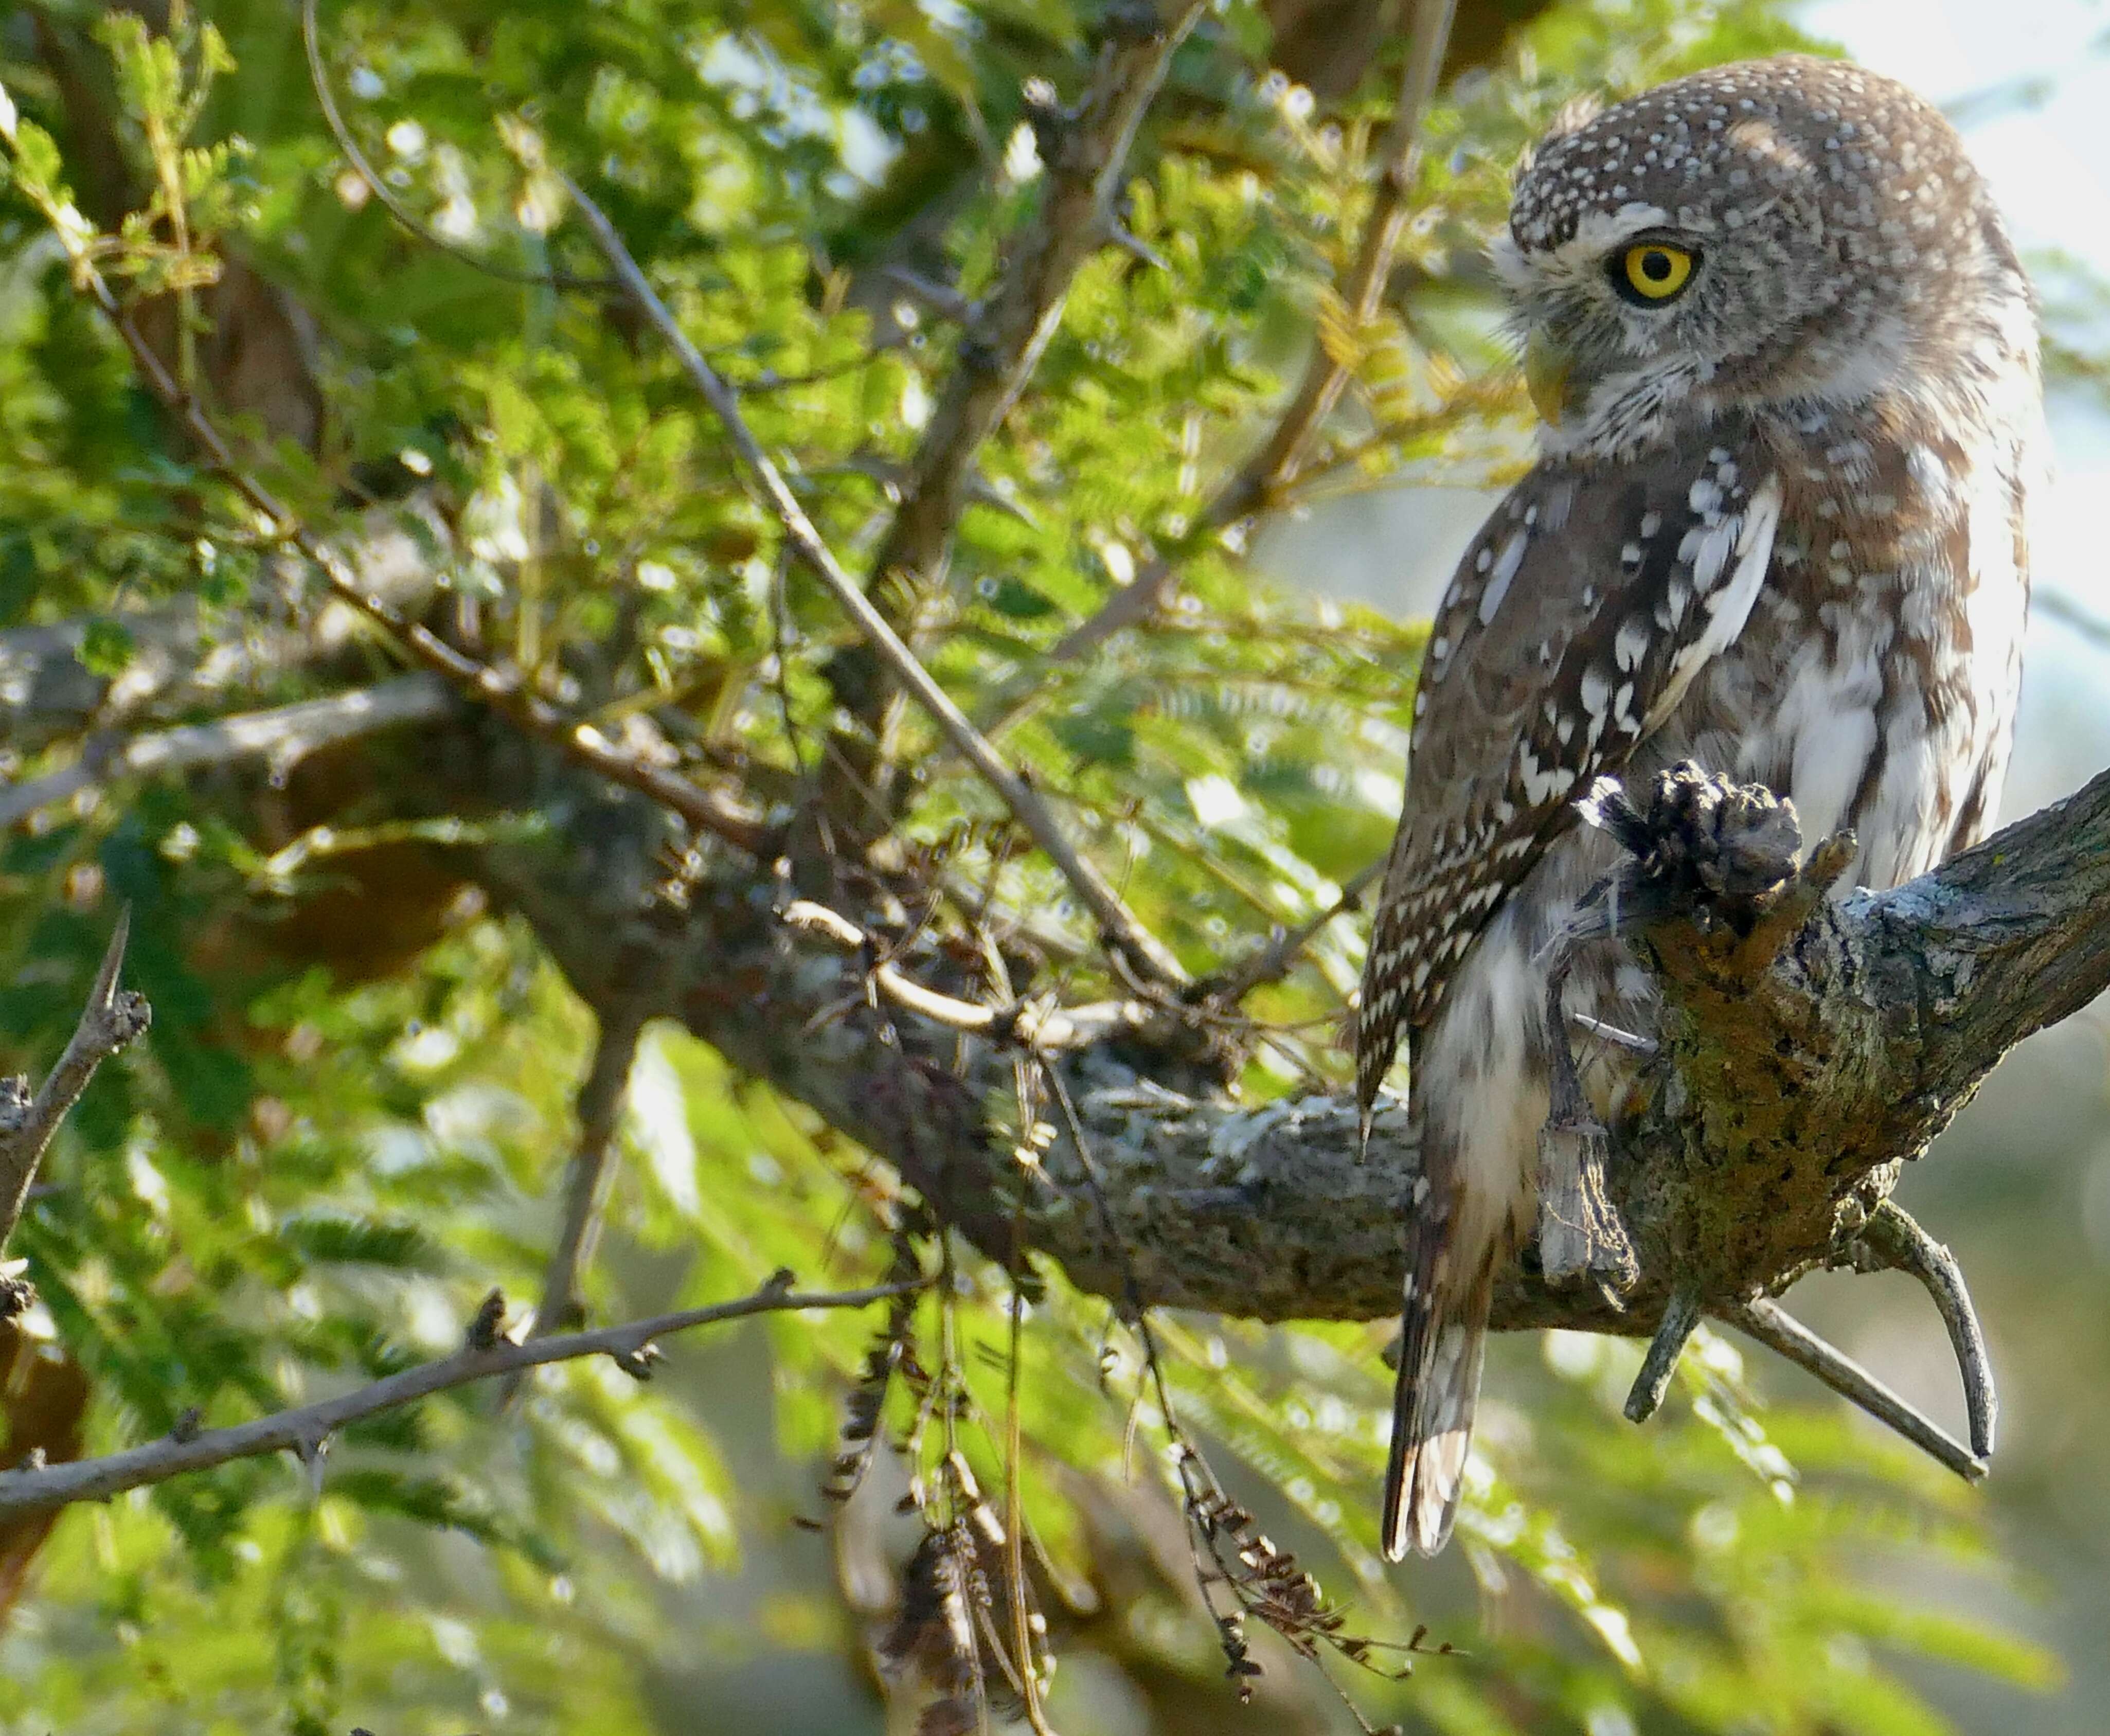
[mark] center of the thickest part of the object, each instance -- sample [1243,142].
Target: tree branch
[1275,463]
[510,695]
[1143,950]
[1790,1085]
[1781,1332]
[112,1021]
[391,202]
[1892,1240]
[281,735]
[304,1430]
[1030,1024]
[587,1179]
[1004,341]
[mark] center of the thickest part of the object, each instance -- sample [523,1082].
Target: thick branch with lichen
[1802,1064]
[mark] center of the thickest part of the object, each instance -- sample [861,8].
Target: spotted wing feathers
[1583,610]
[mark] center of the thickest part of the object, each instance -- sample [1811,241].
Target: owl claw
[1579,1232]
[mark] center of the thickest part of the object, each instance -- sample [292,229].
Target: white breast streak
[1927,770]
[1827,725]
[1728,607]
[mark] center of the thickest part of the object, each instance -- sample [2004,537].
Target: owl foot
[1580,1234]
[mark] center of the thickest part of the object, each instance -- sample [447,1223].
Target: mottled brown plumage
[1779,528]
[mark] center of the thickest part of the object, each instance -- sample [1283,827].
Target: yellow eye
[1652,271]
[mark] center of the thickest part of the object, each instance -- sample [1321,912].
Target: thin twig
[304,1430]
[1008,331]
[1774,1327]
[1892,1238]
[1632,1041]
[1275,463]
[2049,600]
[111,1022]
[1271,963]
[319,78]
[1029,1024]
[281,735]
[1144,952]
[1681,1315]
[508,695]
[599,1109]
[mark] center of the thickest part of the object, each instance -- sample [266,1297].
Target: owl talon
[1579,1232]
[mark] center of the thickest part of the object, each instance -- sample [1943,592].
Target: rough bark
[1803,1064]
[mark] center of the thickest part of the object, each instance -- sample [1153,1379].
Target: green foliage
[309,1178]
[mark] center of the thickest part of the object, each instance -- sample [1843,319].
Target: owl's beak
[1546,369]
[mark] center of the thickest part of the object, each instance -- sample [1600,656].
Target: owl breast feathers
[1788,361]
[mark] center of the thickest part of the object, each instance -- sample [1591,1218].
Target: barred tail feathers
[1443,1341]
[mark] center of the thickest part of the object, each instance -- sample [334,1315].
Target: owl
[1785,360]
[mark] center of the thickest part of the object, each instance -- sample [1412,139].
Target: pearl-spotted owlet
[1787,362]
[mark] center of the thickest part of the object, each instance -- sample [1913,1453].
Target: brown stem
[1003,341]
[591,1173]
[305,1431]
[1362,289]
[112,1021]
[1144,952]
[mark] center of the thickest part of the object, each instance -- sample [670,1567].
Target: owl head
[1793,231]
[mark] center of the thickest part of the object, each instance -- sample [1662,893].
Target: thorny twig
[305,1430]
[1146,954]
[111,1022]
[1774,1327]
[588,1176]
